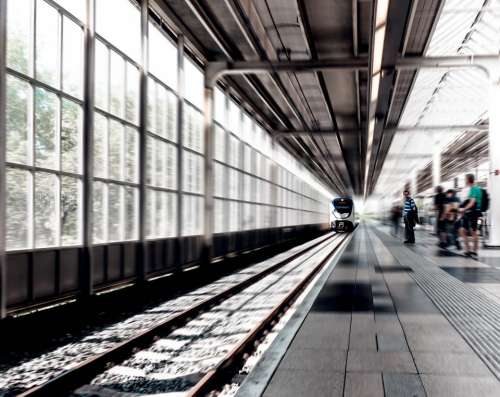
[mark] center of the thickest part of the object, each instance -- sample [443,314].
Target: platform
[392,320]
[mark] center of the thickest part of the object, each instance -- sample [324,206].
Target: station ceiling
[339,103]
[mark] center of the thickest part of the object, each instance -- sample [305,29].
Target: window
[125,30]
[252,179]
[193,83]
[161,143]
[162,57]
[116,122]
[44,126]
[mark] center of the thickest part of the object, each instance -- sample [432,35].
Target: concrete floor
[372,331]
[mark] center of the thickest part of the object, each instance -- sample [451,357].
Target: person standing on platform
[439,202]
[409,216]
[471,211]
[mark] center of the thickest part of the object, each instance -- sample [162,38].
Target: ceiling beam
[469,128]
[218,69]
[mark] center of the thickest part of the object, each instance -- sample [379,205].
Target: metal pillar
[142,263]
[87,280]
[3,90]
[494,154]
[209,174]
[180,143]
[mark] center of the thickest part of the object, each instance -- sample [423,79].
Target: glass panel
[125,30]
[234,216]
[193,129]
[101,75]
[150,160]
[162,57]
[171,172]
[161,214]
[234,151]
[193,83]
[172,117]
[151,105]
[219,216]
[100,145]
[193,170]
[76,7]
[72,58]
[132,100]
[18,209]
[115,147]
[19,35]
[18,121]
[220,144]
[171,219]
[192,217]
[46,115]
[99,212]
[220,106]
[46,208]
[117,84]
[71,199]
[71,137]
[160,163]
[115,206]
[150,223]
[131,213]
[161,111]
[132,154]
[47,44]
[234,118]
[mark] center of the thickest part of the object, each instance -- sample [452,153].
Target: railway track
[94,368]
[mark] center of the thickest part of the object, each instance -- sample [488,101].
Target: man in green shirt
[470,214]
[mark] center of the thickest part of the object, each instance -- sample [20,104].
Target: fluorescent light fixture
[371,130]
[374,88]
[378,49]
[381,13]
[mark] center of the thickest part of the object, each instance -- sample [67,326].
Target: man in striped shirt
[409,217]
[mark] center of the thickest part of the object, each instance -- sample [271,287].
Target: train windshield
[342,205]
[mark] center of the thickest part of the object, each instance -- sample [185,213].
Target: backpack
[485,200]
[416,219]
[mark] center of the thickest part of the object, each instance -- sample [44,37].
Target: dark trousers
[409,233]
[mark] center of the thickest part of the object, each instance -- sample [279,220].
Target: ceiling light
[375,87]
[378,49]
[371,130]
[382,10]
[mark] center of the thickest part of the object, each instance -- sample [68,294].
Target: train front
[343,214]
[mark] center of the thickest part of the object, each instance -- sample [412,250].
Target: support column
[142,263]
[436,165]
[209,174]
[87,276]
[180,147]
[494,154]
[3,192]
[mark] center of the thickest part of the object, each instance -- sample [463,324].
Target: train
[343,217]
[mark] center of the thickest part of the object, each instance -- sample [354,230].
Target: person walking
[471,211]
[395,218]
[409,216]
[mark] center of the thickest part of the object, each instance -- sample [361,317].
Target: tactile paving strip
[474,315]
